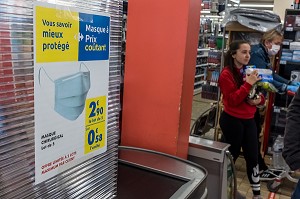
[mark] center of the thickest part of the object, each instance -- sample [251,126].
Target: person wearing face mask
[237,119]
[260,57]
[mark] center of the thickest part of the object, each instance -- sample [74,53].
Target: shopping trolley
[205,121]
[276,176]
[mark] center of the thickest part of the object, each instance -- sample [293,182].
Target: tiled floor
[286,188]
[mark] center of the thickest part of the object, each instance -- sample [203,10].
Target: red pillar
[161,50]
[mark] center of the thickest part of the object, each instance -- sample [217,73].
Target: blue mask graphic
[70,93]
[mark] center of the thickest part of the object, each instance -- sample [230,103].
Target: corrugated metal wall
[95,178]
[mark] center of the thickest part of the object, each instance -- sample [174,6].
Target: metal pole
[219,93]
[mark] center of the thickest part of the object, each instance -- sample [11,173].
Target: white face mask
[70,93]
[274,50]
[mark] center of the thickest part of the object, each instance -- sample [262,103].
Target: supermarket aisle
[199,106]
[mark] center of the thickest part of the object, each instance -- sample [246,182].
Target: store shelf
[203,49]
[213,64]
[206,11]
[286,43]
[213,83]
[201,65]
[291,29]
[210,28]
[197,91]
[201,75]
[206,33]
[198,83]
[285,62]
[202,55]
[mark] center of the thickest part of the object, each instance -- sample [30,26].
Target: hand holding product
[252,77]
[265,82]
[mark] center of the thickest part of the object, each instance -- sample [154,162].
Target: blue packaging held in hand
[265,74]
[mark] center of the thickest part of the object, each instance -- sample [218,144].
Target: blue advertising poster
[94,37]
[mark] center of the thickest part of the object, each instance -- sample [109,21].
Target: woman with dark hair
[237,119]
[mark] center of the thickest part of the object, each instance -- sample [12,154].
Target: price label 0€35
[95,116]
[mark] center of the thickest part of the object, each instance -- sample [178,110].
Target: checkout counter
[215,157]
[149,174]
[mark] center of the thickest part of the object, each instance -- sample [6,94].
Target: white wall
[280,6]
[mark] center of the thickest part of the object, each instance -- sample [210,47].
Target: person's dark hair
[229,61]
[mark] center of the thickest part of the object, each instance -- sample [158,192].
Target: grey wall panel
[94,178]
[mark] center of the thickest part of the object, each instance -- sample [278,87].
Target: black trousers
[261,161]
[241,133]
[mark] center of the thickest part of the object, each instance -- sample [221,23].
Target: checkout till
[207,174]
[148,174]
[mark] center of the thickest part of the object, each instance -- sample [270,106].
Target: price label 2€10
[95,117]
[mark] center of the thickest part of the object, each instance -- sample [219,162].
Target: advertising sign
[71,74]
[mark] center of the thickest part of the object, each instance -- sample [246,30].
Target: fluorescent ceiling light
[256,5]
[202,4]
[235,1]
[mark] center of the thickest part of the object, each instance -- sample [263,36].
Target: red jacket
[234,98]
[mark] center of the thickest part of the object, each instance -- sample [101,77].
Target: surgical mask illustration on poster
[71,74]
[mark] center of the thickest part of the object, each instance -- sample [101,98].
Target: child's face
[242,55]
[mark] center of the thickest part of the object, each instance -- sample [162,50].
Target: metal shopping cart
[275,178]
[205,121]
[275,175]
